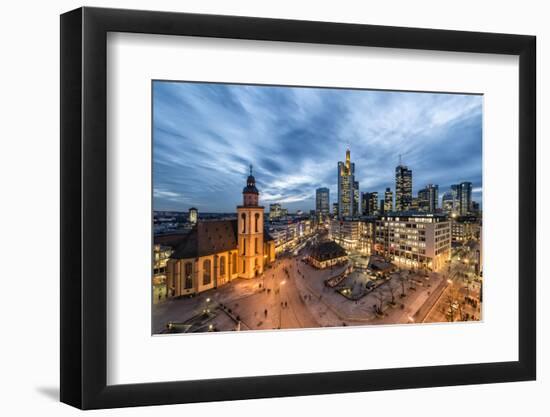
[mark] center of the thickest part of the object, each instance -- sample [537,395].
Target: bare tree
[450,313]
[380,298]
[402,281]
[391,289]
[452,303]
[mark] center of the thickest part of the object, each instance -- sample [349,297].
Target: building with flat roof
[346,232]
[465,228]
[388,201]
[403,188]
[322,203]
[428,198]
[463,192]
[414,240]
[193,215]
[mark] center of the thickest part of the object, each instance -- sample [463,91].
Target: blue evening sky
[206,135]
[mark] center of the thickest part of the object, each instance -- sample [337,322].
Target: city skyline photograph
[280,207]
[294,136]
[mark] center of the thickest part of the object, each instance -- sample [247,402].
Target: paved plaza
[292,294]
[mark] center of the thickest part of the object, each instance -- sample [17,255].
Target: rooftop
[209,237]
[327,250]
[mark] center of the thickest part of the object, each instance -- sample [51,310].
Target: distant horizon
[206,135]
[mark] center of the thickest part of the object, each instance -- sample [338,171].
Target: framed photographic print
[258,207]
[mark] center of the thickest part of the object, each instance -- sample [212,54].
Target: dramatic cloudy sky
[206,135]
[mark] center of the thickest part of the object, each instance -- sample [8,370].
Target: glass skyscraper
[403,188]
[347,186]
[428,198]
[322,202]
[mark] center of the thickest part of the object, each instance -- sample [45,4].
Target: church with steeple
[216,252]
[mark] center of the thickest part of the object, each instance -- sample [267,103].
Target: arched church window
[256,221]
[243,217]
[222,266]
[234,263]
[207,272]
[188,275]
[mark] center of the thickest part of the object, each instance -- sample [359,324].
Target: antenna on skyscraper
[400,163]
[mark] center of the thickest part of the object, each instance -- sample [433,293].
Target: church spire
[250,192]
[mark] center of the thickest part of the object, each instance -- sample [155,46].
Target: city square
[404,255]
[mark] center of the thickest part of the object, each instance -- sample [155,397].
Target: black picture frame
[84,207]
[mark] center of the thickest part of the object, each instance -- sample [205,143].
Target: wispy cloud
[206,135]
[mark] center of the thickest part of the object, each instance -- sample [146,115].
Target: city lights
[274,231]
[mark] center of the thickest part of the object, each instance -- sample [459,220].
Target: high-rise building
[346,188]
[369,204]
[364,203]
[428,198]
[355,198]
[335,209]
[433,197]
[403,188]
[464,198]
[275,211]
[322,202]
[373,203]
[388,200]
[382,206]
[448,203]
[193,215]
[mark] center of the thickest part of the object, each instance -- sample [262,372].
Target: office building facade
[403,188]
[348,198]
[322,202]
[414,240]
[388,201]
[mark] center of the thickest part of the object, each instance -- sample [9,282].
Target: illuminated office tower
[322,202]
[275,211]
[346,187]
[369,204]
[356,198]
[448,203]
[428,198]
[388,201]
[364,203]
[403,188]
[464,198]
[193,215]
